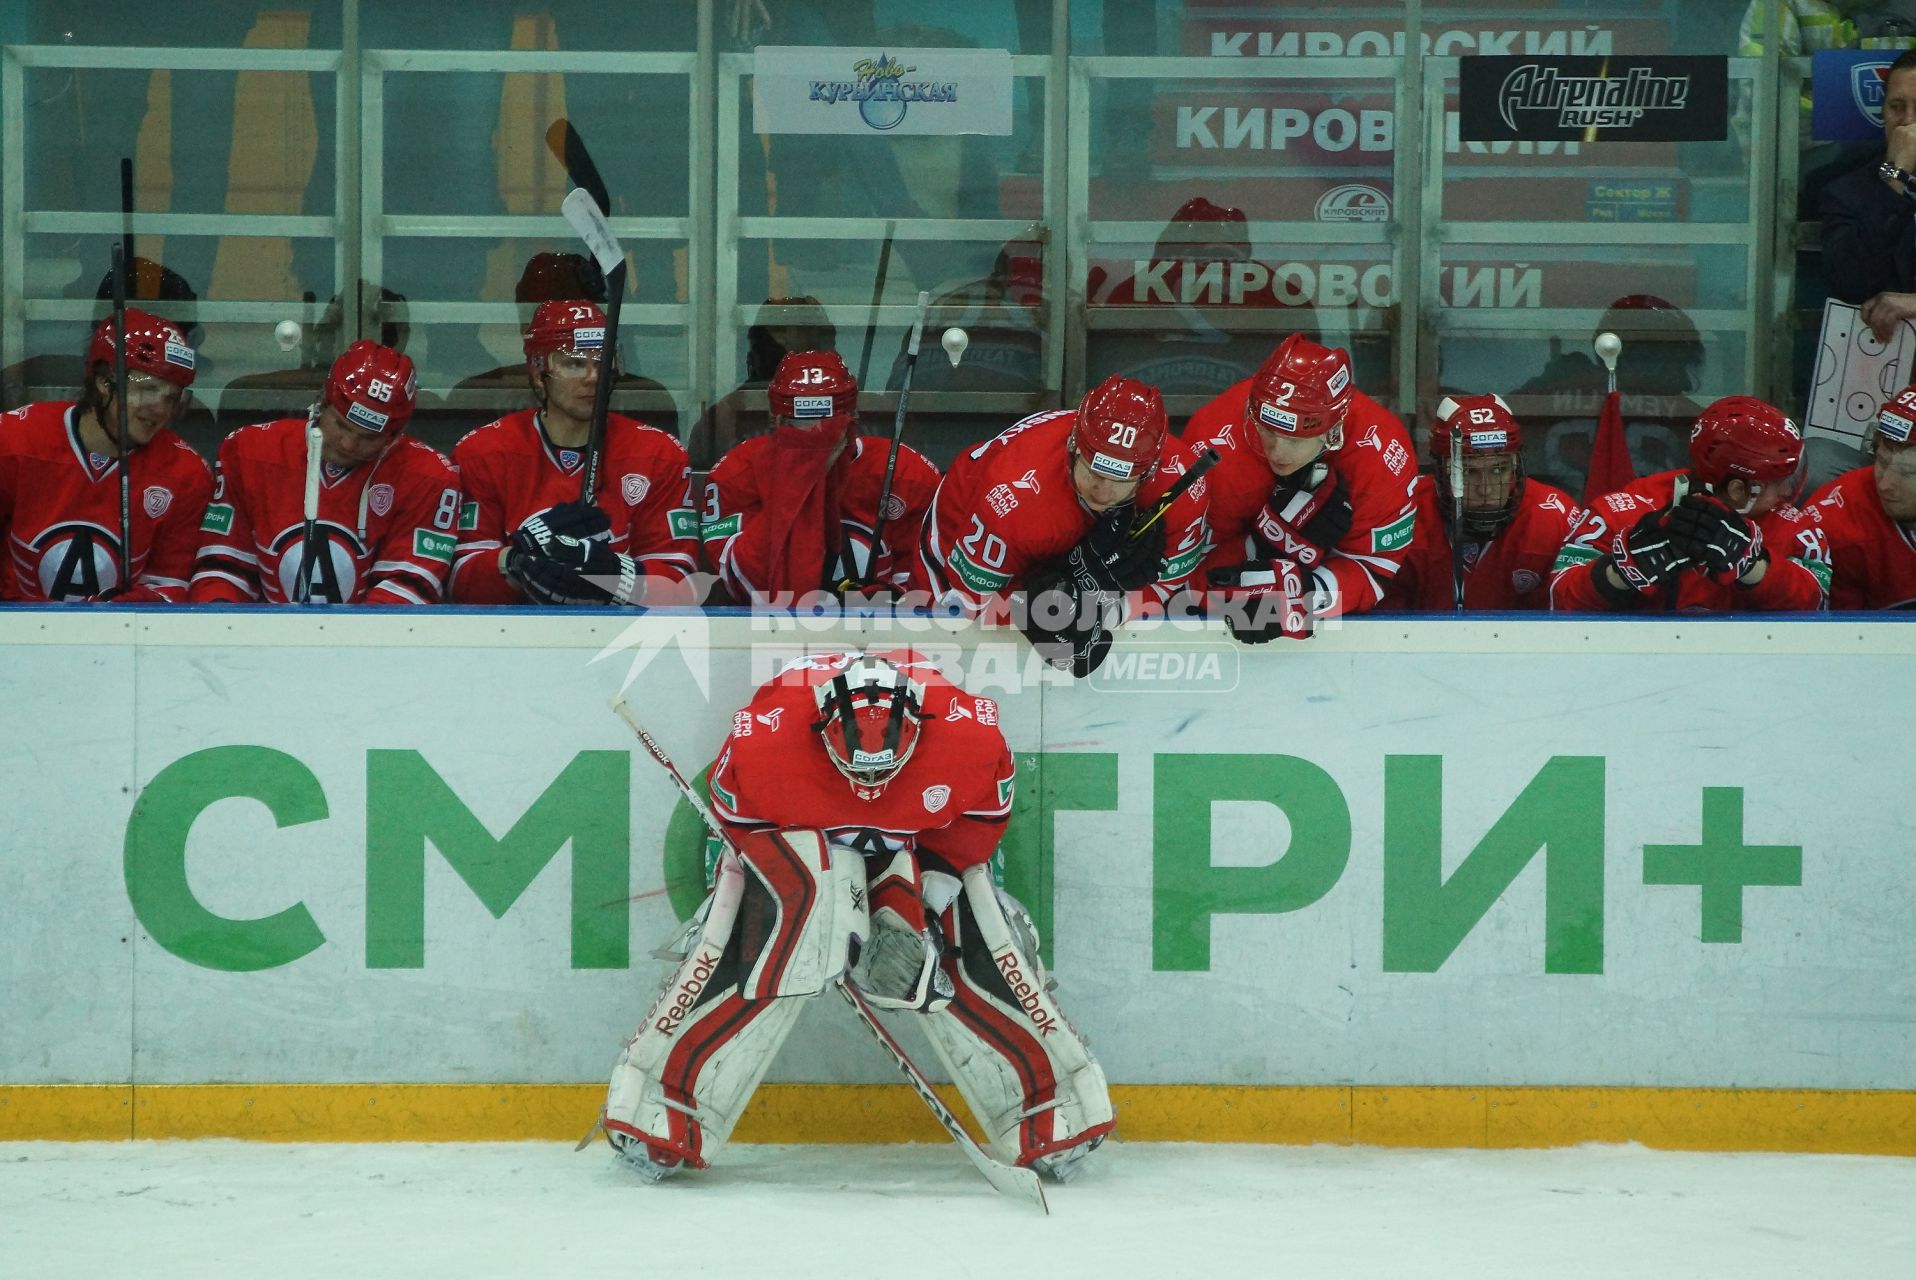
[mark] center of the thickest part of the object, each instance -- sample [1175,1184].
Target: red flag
[1610,468]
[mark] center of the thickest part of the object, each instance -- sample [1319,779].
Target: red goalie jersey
[60,506]
[1510,571]
[385,528]
[509,470]
[952,798]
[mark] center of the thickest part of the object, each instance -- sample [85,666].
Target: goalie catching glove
[563,556]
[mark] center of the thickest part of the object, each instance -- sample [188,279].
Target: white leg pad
[1027,1075]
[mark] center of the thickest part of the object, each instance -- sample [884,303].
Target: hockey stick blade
[588,220]
[1009,1179]
[565,143]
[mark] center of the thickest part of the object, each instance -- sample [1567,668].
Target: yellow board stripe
[1860,1121]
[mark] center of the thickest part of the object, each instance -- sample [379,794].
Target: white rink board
[1818,993]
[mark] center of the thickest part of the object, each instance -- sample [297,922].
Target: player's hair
[1905,61]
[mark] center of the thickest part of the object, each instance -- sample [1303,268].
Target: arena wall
[1501,882]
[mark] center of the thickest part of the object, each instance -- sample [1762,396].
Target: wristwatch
[1890,173]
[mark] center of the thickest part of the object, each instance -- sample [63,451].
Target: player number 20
[987,549]
[1123,435]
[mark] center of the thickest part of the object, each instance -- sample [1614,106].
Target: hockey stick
[1195,473]
[1456,465]
[309,507]
[119,405]
[1009,1179]
[897,435]
[878,292]
[587,214]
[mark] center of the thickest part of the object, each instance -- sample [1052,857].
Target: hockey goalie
[862,796]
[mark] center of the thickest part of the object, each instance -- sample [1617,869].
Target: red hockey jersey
[60,506]
[1510,572]
[1872,556]
[952,798]
[1375,466]
[740,547]
[1008,508]
[510,470]
[1798,576]
[385,528]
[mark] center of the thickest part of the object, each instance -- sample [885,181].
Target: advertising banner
[826,89]
[1436,853]
[1592,99]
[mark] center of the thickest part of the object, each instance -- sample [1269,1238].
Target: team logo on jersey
[935,797]
[381,499]
[958,711]
[1001,500]
[770,718]
[569,458]
[633,487]
[1524,581]
[1029,480]
[894,506]
[156,500]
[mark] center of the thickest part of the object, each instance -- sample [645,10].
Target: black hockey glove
[580,520]
[1646,555]
[1070,609]
[569,571]
[1131,560]
[1261,600]
[1725,544]
[1306,516]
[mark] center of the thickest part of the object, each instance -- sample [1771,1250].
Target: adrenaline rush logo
[1593,99]
[881,91]
[1590,102]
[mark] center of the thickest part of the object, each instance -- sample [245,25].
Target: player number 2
[448,510]
[987,549]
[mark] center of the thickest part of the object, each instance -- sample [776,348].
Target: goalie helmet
[571,324]
[814,391]
[153,346]
[868,718]
[1303,389]
[1120,428]
[1741,437]
[372,387]
[1469,427]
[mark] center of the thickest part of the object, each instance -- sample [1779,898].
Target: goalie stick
[586,209]
[1010,1179]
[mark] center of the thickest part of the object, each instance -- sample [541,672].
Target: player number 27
[987,549]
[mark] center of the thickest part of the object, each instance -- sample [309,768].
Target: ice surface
[166,1210]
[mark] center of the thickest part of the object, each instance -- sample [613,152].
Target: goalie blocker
[862,796]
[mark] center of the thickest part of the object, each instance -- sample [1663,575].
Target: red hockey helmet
[868,717]
[813,390]
[1303,389]
[153,346]
[1478,426]
[1742,437]
[1896,421]
[1120,428]
[372,387]
[571,324]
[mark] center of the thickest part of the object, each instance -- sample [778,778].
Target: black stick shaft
[1193,474]
[897,436]
[878,293]
[123,432]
